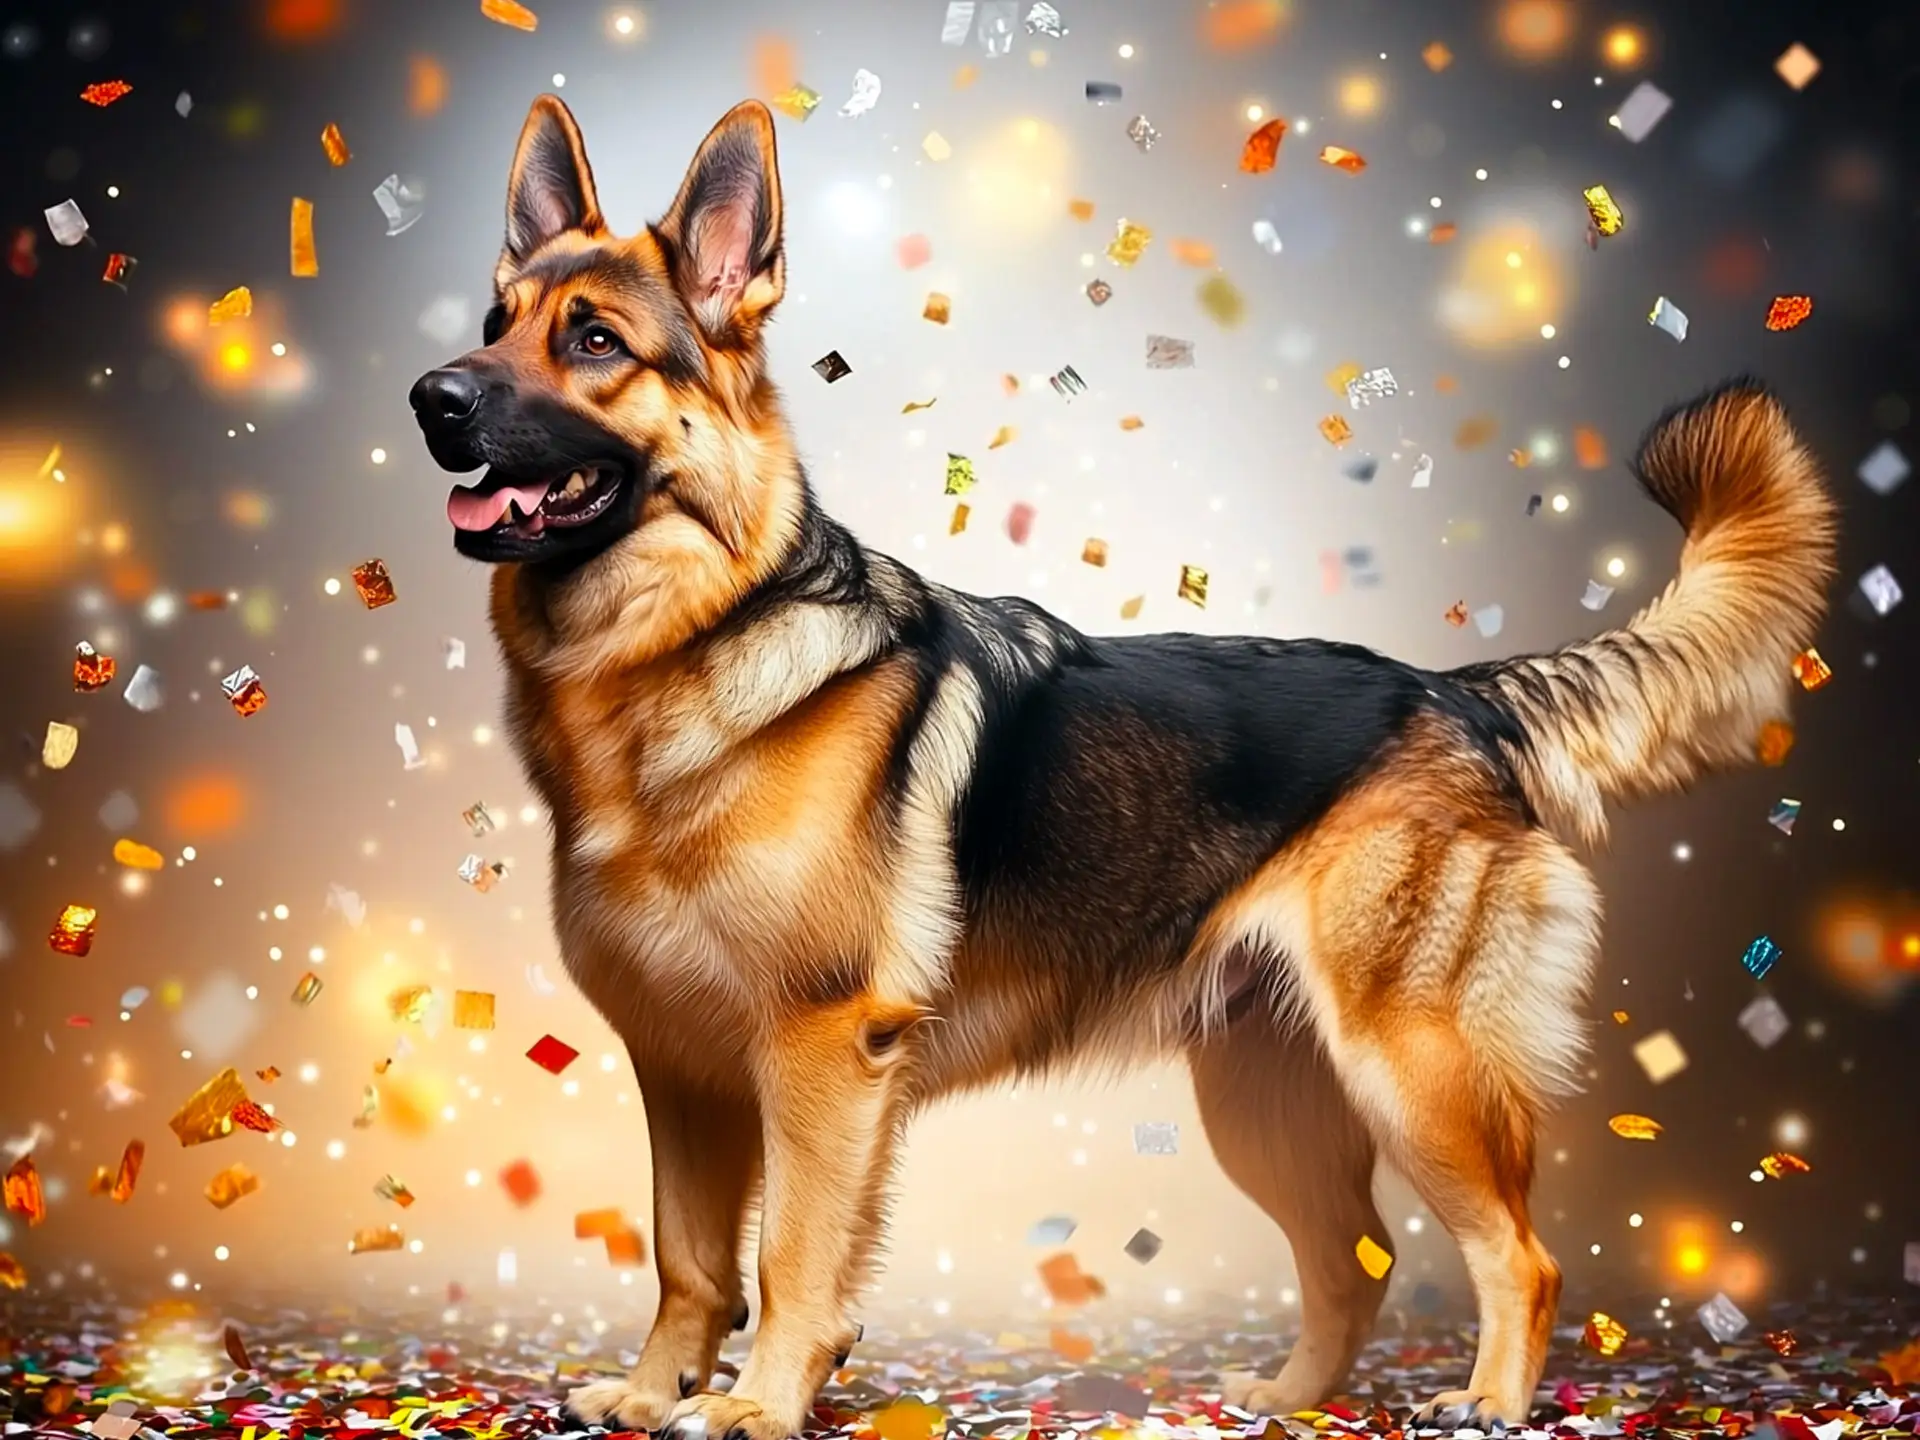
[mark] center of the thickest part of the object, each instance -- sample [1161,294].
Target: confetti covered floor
[1853,1369]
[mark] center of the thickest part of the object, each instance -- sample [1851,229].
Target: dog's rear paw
[1451,1409]
[619,1405]
[1259,1396]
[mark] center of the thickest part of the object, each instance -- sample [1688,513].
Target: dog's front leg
[705,1149]
[831,1101]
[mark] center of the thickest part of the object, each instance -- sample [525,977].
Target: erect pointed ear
[550,189]
[724,228]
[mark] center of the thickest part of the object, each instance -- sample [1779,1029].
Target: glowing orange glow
[1241,24]
[1536,29]
[773,66]
[235,355]
[1742,1275]
[300,21]
[209,803]
[407,1104]
[132,580]
[35,512]
[185,321]
[114,538]
[1862,947]
[247,509]
[1359,95]
[1624,45]
[426,85]
[1503,282]
[1690,1259]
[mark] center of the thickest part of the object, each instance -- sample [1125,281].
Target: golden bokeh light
[1535,30]
[201,806]
[1015,179]
[1861,945]
[1359,95]
[1504,284]
[36,510]
[1624,46]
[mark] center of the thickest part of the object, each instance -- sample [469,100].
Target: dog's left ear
[725,226]
[550,189]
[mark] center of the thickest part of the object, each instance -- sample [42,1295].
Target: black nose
[445,398]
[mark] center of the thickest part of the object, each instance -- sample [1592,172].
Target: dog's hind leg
[1285,1134]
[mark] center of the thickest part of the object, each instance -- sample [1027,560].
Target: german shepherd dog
[831,840]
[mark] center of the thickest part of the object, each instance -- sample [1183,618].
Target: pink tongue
[469,509]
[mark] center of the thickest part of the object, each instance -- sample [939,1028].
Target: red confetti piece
[236,1348]
[104,92]
[1262,149]
[1020,522]
[1787,311]
[251,1116]
[552,1055]
[521,1182]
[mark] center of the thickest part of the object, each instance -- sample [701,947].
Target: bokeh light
[1536,30]
[1623,47]
[1505,281]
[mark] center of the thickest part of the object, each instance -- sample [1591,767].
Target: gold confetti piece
[1437,56]
[1335,430]
[1375,1260]
[797,101]
[510,12]
[1519,459]
[100,1183]
[1773,743]
[1094,553]
[23,1193]
[1262,149]
[1808,668]
[73,932]
[1781,1164]
[1131,422]
[392,1187]
[376,1237]
[270,1074]
[1130,609]
[960,478]
[373,584]
[1130,242]
[473,1010]
[128,1176]
[1341,158]
[207,1114]
[1192,252]
[1620,1017]
[135,856]
[1634,1127]
[1605,215]
[1442,233]
[307,990]
[236,304]
[1341,376]
[1456,615]
[57,750]
[304,259]
[410,1003]
[936,146]
[913,405]
[1080,209]
[1604,1334]
[13,1275]
[369,1103]
[1781,1342]
[1010,384]
[49,465]
[1787,311]
[1222,301]
[1005,435]
[91,670]
[961,511]
[909,1420]
[1193,585]
[938,309]
[335,144]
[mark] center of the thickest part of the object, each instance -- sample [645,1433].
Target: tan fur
[778,934]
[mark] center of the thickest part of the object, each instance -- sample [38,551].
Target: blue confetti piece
[1783,814]
[1760,957]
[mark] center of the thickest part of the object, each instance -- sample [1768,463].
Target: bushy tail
[1691,681]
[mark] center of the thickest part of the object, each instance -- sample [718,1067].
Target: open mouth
[523,510]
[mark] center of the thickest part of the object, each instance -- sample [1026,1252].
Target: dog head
[620,380]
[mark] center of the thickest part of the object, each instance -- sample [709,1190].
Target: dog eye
[599,342]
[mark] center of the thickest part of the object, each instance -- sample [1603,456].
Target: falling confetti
[1129,243]
[511,13]
[830,367]
[1781,1164]
[552,1055]
[236,304]
[1142,133]
[1373,1257]
[1262,149]
[104,92]
[1810,670]
[73,931]
[1604,1335]
[797,102]
[335,144]
[1634,1127]
[1601,209]
[1760,957]
[960,476]
[1335,430]
[1660,1056]
[303,259]
[866,94]
[91,670]
[1340,158]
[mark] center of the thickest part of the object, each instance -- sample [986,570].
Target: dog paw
[1258,1395]
[620,1405]
[1453,1409]
[712,1416]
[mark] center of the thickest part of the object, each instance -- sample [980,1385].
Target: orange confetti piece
[379,1237]
[775,70]
[1774,741]
[24,1196]
[1341,376]
[1437,56]
[1262,149]
[335,144]
[73,932]
[598,1224]
[961,512]
[249,1116]
[473,1009]
[1620,1017]
[1781,1164]
[1810,670]
[104,92]
[965,76]
[1634,1127]
[1067,1283]
[1010,384]
[510,12]
[136,856]
[304,259]
[1335,430]
[1781,1342]
[1341,158]
[1445,384]
[1094,553]
[131,1160]
[938,309]
[625,1247]
[1456,615]
[1075,1349]
[1192,252]
[1519,459]
[91,670]
[1242,24]
[207,1114]
[236,1347]
[1787,311]
[1374,1257]
[13,1275]
[1005,435]
[1589,448]
[1131,422]
[521,1182]
[1442,233]
[270,1074]
[1080,209]
[236,304]
[230,1186]
[1604,1334]
[426,85]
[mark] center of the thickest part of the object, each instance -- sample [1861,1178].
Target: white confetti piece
[866,94]
[409,747]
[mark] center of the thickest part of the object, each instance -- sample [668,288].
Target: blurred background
[191,498]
